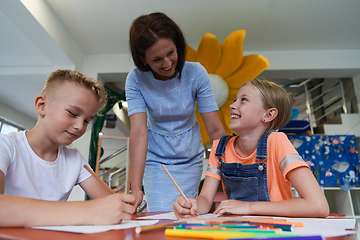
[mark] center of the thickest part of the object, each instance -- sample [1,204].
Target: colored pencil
[285,238]
[152,227]
[190,225]
[176,185]
[206,234]
[259,221]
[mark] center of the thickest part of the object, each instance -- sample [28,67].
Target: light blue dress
[174,136]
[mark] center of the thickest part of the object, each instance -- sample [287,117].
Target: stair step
[350,119]
[337,119]
[350,125]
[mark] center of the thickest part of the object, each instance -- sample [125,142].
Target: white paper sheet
[99,228]
[328,227]
[171,216]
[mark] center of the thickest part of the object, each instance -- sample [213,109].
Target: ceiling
[100,27]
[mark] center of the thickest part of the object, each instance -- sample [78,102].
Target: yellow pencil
[177,186]
[98,179]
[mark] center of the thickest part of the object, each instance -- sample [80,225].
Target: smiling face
[247,111]
[162,58]
[68,113]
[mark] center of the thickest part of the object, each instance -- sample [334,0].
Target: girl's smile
[247,111]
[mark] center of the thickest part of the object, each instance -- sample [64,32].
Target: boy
[37,171]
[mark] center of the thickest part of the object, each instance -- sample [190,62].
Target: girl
[258,166]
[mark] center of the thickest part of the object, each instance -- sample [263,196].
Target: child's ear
[270,114]
[40,103]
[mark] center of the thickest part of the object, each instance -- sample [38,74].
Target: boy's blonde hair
[274,96]
[61,76]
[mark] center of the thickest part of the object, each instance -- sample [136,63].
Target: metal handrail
[309,102]
[316,87]
[326,92]
[333,100]
[308,108]
[324,115]
[343,97]
[114,173]
[113,155]
[110,169]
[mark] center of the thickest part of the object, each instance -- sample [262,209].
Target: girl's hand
[234,207]
[183,209]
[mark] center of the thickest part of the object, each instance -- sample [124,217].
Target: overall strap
[220,150]
[261,150]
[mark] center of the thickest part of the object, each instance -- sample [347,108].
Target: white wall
[111,63]
[15,116]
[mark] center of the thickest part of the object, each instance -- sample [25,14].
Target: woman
[161,94]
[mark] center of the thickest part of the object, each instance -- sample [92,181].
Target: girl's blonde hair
[274,96]
[61,76]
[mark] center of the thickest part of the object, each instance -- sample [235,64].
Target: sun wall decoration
[228,70]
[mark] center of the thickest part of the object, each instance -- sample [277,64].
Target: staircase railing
[316,99]
[118,170]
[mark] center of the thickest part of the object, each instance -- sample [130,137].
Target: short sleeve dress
[174,136]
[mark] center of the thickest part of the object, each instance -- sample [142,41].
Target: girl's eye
[87,122]
[155,60]
[243,99]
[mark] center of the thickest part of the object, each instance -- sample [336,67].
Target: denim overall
[245,182]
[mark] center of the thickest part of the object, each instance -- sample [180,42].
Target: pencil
[208,234]
[177,186]
[152,227]
[98,179]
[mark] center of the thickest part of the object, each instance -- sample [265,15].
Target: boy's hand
[112,209]
[234,207]
[183,209]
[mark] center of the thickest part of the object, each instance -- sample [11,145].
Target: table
[36,234]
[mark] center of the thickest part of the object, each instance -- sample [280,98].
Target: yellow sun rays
[227,61]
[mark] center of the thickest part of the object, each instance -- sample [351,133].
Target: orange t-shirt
[281,159]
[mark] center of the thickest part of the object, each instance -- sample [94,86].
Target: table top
[32,234]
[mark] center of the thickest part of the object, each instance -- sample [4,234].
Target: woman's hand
[234,207]
[184,209]
[138,143]
[138,194]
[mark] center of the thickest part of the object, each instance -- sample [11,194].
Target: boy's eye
[243,99]
[72,114]
[87,122]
